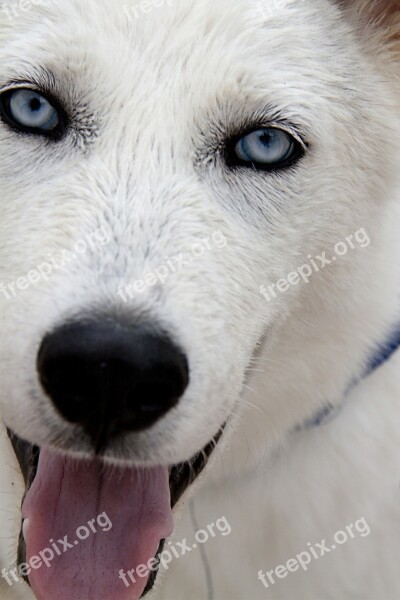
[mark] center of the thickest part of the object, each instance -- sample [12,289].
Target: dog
[200,299]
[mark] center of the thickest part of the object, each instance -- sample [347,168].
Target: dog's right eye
[31,112]
[264,149]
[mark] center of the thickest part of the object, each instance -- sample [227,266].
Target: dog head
[160,169]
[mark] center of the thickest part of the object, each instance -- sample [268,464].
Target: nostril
[111,378]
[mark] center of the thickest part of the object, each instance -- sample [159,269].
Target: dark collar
[382,354]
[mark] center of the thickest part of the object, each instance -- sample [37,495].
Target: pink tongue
[75,498]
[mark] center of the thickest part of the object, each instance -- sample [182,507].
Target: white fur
[151,95]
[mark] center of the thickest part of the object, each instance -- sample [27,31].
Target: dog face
[157,167]
[148,177]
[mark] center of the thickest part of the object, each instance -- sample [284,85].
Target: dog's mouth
[92,530]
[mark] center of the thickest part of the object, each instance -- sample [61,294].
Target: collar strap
[383,354]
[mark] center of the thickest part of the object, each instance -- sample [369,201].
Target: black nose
[111,378]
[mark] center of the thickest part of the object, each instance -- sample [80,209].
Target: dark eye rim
[234,162]
[55,134]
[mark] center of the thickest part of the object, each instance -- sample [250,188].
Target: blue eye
[30,111]
[266,149]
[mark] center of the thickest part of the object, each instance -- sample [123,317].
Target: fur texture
[153,99]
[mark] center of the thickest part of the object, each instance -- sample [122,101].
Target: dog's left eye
[265,149]
[30,111]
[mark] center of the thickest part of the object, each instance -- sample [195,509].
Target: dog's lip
[182,475]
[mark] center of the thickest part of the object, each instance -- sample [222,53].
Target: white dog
[199,225]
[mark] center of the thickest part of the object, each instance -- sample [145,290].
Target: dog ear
[378,22]
[376,8]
